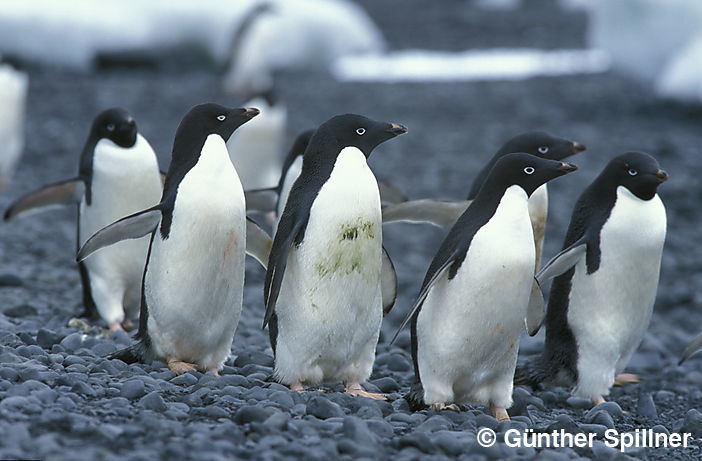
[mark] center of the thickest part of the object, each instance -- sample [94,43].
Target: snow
[471,65]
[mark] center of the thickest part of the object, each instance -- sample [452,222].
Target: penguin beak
[251,112]
[566,168]
[662,176]
[396,129]
[577,147]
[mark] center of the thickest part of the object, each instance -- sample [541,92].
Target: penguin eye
[632,172]
[542,150]
[221,117]
[360,131]
[529,170]
[110,127]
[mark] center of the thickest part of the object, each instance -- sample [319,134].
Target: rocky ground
[61,399]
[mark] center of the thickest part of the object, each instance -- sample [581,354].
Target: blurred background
[462,75]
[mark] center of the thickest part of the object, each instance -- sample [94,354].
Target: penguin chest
[609,310]
[468,327]
[194,280]
[332,281]
[124,181]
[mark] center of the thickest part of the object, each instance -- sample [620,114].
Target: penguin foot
[179,367]
[597,401]
[298,387]
[356,390]
[128,324]
[500,413]
[214,371]
[439,406]
[622,379]
[116,327]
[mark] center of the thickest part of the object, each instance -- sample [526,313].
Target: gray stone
[153,401]
[132,389]
[323,408]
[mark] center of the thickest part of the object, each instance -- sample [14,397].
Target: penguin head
[542,145]
[638,172]
[527,171]
[207,119]
[360,132]
[117,125]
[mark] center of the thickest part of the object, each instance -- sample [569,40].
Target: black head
[206,119]
[542,145]
[116,125]
[359,131]
[527,171]
[638,172]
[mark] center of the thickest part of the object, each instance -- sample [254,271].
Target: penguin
[274,199]
[606,278]
[476,295]
[13,99]
[255,148]
[193,280]
[445,213]
[118,175]
[323,289]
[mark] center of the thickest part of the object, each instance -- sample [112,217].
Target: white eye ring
[360,131]
[632,172]
[543,149]
[221,118]
[529,170]
[111,127]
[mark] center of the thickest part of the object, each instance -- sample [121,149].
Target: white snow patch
[472,65]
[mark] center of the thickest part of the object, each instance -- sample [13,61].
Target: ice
[471,65]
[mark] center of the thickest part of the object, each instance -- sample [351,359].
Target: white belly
[609,310]
[538,213]
[468,328]
[194,282]
[124,181]
[330,309]
[290,177]
[13,95]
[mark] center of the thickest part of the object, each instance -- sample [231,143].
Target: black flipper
[388,283]
[134,226]
[694,346]
[264,200]
[440,213]
[137,352]
[258,242]
[62,193]
[415,397]
[563,261]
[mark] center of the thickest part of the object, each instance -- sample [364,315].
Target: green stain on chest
[354,246]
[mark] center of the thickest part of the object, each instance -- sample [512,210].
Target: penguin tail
[532,373]
[415,397]
[132,354]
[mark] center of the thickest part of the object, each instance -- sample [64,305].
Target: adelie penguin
[602,298]
[118,175]
[444,213]
[194,275]
[477,294]
[324,289]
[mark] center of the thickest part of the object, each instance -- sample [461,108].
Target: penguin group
[167,250]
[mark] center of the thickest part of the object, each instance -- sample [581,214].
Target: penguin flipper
[135,353]
[258,242]
[694,346]
[388,283]
[131,227]
[563,261]
[390,194]
[264,200]
[442,269]
[440,213]
[535,310]
[415,397]
[57,194]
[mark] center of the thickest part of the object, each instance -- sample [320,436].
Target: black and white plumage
[13,98]
[474,300]
[323,289]
[118,175]
[444,213]
[194,275]
[602,298]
